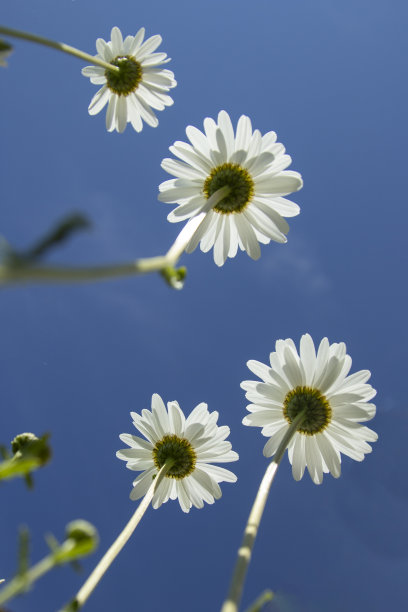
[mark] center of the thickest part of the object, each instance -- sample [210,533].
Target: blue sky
[329,78]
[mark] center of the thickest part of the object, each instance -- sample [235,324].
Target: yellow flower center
[127,79]
[178,449]
[317,410]
[238,180]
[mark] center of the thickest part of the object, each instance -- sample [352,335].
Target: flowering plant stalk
[90,584]
[81,540]
[14,270]
[59,46]
[306,403]
[176,460]
[232,602]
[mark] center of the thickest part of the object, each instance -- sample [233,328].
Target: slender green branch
[232,602]
[81,539]
[60,274]
[260,601]
[22,581]
[59,46]
[17,270]
[111,554]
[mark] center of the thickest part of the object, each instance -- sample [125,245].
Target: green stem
[22,272]
[232,602]
[111,554]
[59,274]
[59,46]
[21,583]
[261,601]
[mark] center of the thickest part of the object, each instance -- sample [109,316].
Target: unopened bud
[28,445]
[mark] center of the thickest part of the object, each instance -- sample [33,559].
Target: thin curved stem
[232,602]
[60,274]
[111,554]
[59,46]
[23,272]
[21,583]
[194,223]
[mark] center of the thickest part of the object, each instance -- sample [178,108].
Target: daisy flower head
[5,51]
[251,167]
[194,443]
[139,87]
[318,385]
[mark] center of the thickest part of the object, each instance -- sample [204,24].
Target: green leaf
[60,233]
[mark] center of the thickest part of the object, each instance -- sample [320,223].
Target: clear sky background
[331,79]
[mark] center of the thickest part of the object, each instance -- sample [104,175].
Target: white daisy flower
[252,166]
[195,443]
[334,404]
[5,51]
[140,86]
